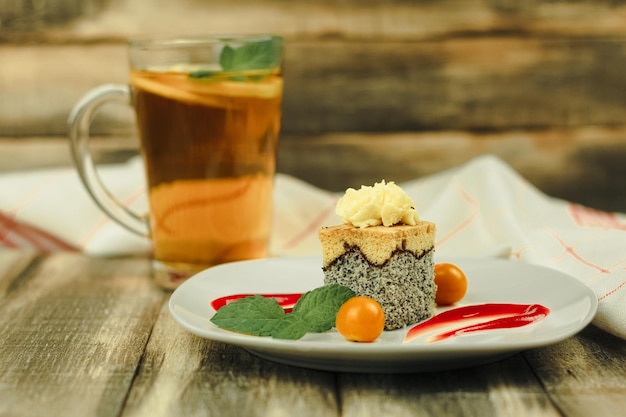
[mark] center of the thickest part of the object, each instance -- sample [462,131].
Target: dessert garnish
[315,312]
[451,283]
[360,319]
[503,316]
[286,301]
[384,203]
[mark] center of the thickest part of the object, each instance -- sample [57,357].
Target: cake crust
[377,243]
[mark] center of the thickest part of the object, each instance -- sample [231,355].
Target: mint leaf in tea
[255,56]
[252,56]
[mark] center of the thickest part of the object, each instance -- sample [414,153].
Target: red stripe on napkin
[613,291]
[14,234]
[589,217]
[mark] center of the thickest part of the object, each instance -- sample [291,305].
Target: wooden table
[81,336]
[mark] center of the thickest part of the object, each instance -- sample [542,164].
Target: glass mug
[208,114]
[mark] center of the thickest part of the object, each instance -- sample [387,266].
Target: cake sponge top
[377,243]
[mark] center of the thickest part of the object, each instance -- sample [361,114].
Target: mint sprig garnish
[290,327]
[259,316]
[319,307]
[255,315]
[264,55]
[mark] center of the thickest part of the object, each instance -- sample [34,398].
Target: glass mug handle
[79,121]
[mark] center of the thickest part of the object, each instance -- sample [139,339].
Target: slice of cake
[383,251]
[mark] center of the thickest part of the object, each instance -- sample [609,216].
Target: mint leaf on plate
[319,307]
[290,327]
[255,315]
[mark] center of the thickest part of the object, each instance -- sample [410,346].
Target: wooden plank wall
[391,89]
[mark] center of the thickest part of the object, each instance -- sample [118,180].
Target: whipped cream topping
[383,203]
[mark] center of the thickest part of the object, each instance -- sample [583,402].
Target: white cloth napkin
[482,208]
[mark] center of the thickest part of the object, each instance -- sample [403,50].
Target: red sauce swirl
[491,316]
[286,301]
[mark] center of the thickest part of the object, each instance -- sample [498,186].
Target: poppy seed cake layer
[404,286]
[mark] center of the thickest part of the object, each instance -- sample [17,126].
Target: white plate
[572,306]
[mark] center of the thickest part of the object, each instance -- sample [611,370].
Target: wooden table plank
[73,332]
[584,375]
[504,388]
[482,83]
[185,375]
[67,20]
